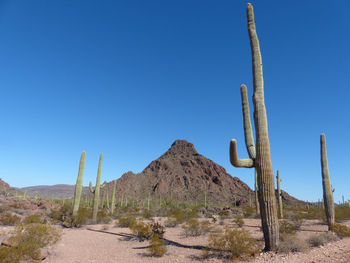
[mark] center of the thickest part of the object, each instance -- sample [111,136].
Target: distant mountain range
[53,191]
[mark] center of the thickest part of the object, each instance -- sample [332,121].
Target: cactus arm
[235,161]
[327,186]
[248,131]
[103,185]
[90,187]
[79,184]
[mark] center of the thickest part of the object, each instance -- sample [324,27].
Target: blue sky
[127,78]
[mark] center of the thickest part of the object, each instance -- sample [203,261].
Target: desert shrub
[141,230]
[34,219]
[158,229]
[179,216]
[8,219]
[157,246]
[340,230]
[64,215]
[297,220]
[103,216]
[147,214]
[27,241]
[342,212]
[290,243]
[194,228]
[287,228]
[239,220]
[248,211]
[322,239]
[224,214]
[233,243]
[126,221]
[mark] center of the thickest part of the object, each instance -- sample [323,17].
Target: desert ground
[108,243]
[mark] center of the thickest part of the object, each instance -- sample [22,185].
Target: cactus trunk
[79,184]
[96,191]
[257,207]
[260,156]
[279,193]
[113,196]
[327,186]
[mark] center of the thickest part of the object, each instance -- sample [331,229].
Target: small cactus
[113,196]
[79,184]
[327,186]
[279,193]
[96,191]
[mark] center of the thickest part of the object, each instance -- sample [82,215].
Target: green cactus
[279,193]
[113,196]
[96,191]
[327,186]
[259,156]
[79,184]
[256,194]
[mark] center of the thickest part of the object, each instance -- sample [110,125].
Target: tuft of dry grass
[340,230]
[290,243]
[322,239]
[9,219]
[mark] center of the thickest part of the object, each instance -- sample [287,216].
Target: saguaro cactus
[79,184]
[260,157]
[96,191]
[327,186]
[256,193]
[279,193]
[113,196]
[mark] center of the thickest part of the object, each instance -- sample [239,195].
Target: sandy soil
[92,244]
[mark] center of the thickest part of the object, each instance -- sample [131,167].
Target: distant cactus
[96,191]
[79,184]
[113,196]
[279,193]
[327,186]
[259,156]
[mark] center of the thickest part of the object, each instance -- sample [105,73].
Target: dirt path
[92,244]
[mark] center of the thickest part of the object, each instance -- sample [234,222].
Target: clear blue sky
[127,78]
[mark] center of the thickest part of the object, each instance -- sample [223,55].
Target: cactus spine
[256,193]
[113,196]
[260,156]
[79,184]
[327,186]
[279,193]
[96,191]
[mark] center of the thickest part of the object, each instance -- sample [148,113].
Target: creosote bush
[27,240]
[178,216]
[8,219]
[194,228]
[340,230]
[34,219]
[290,243]
[126,221]
[142,231]
[322,239]
[233,243]
[157,246]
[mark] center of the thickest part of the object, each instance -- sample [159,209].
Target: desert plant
[326,184]
[235,243]
[79,184]
[260,156]
[126,221]
[239,220]
[287,228]
[340,230]
[291,243]
[9,219]
[96,191]
[142,231]
[157,246]
[279,194]
[103,216]
[257,207]
[158,229]
[113,196]
[192,228]
[35,218]
[322,239]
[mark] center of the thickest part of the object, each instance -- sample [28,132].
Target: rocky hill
[183,174]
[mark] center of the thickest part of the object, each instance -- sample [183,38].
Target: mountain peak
[182,146]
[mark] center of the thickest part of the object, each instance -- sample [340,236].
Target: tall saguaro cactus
[79,184]
[96,191]
[113,196]
[257,207]
[260,156]
[279,193]
[327,186]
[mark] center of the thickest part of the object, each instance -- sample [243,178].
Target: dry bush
[34,219]
[157,246]
[65,216]
[147,214]
[287,228]
[342,212]
[290,243]
[194,228]
[158,229]
[340,230]
[239,220]
[249,211]
[224,214]
[103,216]
[298,220]
[141,230]
[27,241]
[126,221]
[322,239]
[235,243]
[8,219]
[179,216]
